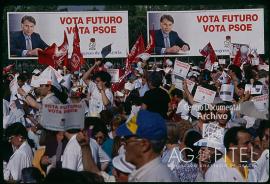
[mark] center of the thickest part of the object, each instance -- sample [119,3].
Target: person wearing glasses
[145,137]
[22,156]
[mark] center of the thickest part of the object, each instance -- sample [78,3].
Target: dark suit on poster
[173,37]
[18,43]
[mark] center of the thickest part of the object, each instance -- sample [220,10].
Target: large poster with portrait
[187,32]
[28,31]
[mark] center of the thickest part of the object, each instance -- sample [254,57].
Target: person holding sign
[101,96]
[26,42]
[166,40]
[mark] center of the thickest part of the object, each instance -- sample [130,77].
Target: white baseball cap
[119,162]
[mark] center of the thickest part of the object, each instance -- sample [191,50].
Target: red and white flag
[210,55]
[61,54]
[76,59]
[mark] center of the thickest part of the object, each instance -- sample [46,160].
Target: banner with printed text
[96,30]
[220,27]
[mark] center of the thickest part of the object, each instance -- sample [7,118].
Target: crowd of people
[151,130]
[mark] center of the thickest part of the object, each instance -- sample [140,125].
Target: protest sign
[253,89]
[213,131]
[180,68]
[204,96]
[226,92]
[61,117]
[222,61]
[261,102]
[114,74]
[178,82]
[223,79]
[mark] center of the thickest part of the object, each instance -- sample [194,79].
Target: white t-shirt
[72,156]
[98,154]
[221,172]
[262,166]
[22,158]
[95,102]
[183,109]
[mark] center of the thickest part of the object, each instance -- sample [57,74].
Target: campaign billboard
[97,29]
[198,27]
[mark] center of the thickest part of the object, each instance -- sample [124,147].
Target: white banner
[220,27]
[61,117]
[204,96]
[114,74]
[226,92]
[261,102]
[180,68]
[97,29]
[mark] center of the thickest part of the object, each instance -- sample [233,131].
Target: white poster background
[180,68]
[114,74]
[261,102]
[61,117]
[204,96]
[254,90]
[49,26]
[190,27]
[178,82]
[226,92]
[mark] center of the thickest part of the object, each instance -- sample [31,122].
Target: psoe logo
[92,44]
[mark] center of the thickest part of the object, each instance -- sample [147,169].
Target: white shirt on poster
[21,158]
[72,156]
[95,102]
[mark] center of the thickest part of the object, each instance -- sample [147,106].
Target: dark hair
[62,96]
[23,77]
[191,137]
[100,128]
[88,121]
[29,18]
[168,17]
[31,175]
[177,92]
[235,69]
[231,136]
[69,176]
[155,79]
[158,145]
[16,129]
[264,124]
[241,85]
[73,131]
[104,77]
[172,133]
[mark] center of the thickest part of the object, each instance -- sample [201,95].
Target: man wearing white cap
[122,168]
[48,86]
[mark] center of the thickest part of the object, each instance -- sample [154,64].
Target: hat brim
[123,131]
[211,144]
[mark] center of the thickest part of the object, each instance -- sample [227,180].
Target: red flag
[137,49]
[47,56]
[151,45]
[8,68]
[208,50]
[76,58]
[61,56]
[237,58]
